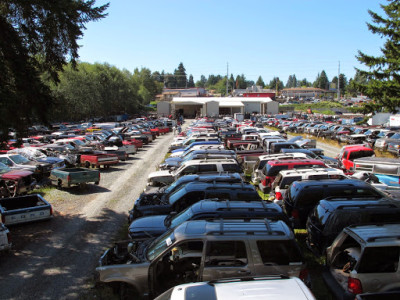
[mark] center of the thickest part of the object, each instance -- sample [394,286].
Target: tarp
[231,104]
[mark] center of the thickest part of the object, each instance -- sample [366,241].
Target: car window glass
[379,260]
[286,181]
[231,168]
[311,196]
[226,253]
[281,252]
[208,168]
[189,170]
[218,195]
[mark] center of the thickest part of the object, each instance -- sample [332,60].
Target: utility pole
[338,83]
[227,78]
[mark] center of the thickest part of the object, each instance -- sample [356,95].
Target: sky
[267,38]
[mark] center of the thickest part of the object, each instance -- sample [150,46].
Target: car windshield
[4,168]
[159,245]
[19,159]
[79,142]
[183,216]
[395,136]
[175,196]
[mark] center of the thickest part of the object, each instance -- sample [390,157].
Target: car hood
[160,174]
[149,226]
[15,174]
[50,160]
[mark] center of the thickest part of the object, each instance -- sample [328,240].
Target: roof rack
[353,197]
[247,278]
[374,238]
[249,232]
[375,206]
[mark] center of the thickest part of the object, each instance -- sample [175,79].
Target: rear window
[359,154]
[274,170]
[280,252]
[207,168]
[232,168]
[286,181]
[379,260]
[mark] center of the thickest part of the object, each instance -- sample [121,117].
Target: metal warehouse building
[213,106]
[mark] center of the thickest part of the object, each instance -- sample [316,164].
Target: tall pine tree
[180,76]
[384,71]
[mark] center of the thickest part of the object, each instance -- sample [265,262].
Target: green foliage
[220,86]
[202,82]
[275,83]
[292,81]
[260,82]
[305,83]
[325,105]
[190,82]
[240,82]
[383,76]
[180,77]
[352,88]
[37,37]
[322,81]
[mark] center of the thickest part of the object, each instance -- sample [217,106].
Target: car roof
[205,161]
[296,161]
[199,185]
[330,182]
[231,228]
[378,233]
[311,171]
[260,287]
[213,206]
[359,204]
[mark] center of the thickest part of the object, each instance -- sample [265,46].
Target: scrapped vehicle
[64,152]
[17,161]
[363,259]
[281,287]
[201,166]
[191,193]
[34,154]
[96,160]
[315,153]
[263,159]
[24,209]
[349,153]
[273,167]
[387,170]
[286,177]
[383,138]
[302,196]
[74,176]
[153,226]
[15,182]
[200,251]
[333,214]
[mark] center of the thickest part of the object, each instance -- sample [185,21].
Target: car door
[226,259]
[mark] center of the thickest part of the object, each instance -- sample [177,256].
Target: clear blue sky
[256,37]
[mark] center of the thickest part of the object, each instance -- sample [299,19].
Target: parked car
[15,182]
[261,287]
[191,193]
[273,167]
[16,161]
[302,196]
[153,226]
[202,250]
[349,153]
[363,259]
[200,166]
[333,214]
[286,177]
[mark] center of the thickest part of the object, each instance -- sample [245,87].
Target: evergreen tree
[304,83]
[170,81]
[190,82]
[37,37]
[180,76]
[202,82]
[289,82]
[260,82]
[383,76]
[274,83]
[322,81]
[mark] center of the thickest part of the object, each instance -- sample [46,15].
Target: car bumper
[335,287]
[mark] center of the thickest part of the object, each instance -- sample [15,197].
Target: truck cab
[349,153]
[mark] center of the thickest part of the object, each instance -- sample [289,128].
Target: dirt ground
[56,259]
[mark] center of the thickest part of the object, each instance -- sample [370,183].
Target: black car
[153,226]
[333,214]
[193,192]
[302,196]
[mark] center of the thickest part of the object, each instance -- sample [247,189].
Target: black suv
[333,214]
[302,196]
[193,192]
[153,226]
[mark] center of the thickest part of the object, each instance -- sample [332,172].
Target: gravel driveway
[56,259]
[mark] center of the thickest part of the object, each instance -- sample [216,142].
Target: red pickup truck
[97,160]
[349,153]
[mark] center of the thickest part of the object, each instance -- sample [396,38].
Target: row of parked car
[63,158]
[383,139]
[200,220]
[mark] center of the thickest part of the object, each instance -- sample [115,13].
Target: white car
[268,287]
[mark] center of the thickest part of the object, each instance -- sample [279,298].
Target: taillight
[354,285]
[68,178]
[51,210]
[278,196]
[303,274]
[295,214]
[264,182]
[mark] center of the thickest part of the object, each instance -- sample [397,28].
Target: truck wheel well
[128,292]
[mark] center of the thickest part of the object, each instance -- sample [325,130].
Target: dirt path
[56,259]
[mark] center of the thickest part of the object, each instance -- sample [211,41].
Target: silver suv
[364,259]
[200,251]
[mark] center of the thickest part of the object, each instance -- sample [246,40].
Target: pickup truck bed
[74,176]
[24,209]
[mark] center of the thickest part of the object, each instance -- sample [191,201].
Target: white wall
[250,107]
[212,108]
[272,108]
[379,119]
[163,108]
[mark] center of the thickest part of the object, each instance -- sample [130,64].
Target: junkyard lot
[56,259]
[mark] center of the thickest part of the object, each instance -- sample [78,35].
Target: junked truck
[24,209]
[74,176]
